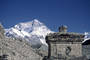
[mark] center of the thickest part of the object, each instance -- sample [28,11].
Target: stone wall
[86,51]
[75,49]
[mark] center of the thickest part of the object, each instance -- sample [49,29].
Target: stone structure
[63,29]
[64,45]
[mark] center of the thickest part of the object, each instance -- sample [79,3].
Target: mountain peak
[36,20]
[35,31]
[37,23]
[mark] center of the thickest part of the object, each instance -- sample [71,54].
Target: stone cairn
[64,45]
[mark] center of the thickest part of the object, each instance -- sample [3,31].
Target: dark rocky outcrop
[87,42]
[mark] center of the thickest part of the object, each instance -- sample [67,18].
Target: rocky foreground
[16,49]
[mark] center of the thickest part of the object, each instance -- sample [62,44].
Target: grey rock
[15,49]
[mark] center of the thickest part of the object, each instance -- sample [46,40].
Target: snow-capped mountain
[33,31]
[87,36]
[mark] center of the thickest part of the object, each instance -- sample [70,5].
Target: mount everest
[32,31]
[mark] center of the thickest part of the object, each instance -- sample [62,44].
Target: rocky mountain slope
[16,49]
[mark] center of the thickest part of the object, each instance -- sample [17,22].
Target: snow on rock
[87,36]
[33,31]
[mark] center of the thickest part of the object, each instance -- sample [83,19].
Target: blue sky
[53,13]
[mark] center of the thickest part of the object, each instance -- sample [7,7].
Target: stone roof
[65,37]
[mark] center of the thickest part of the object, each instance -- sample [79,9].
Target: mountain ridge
[33,31]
